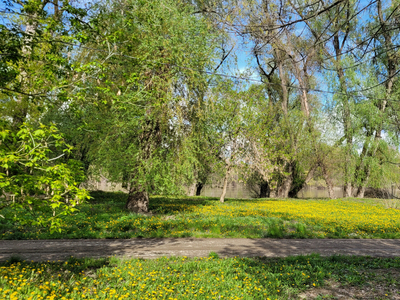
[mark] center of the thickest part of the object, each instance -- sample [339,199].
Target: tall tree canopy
[153,94]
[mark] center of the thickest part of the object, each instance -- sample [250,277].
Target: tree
[225,123]
[35,63]
[386,67]
[296,43]
[343,47]
[35,74]
[36,187]
[148,77]
[284,59]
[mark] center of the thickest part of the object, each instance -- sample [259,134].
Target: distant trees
[298,45]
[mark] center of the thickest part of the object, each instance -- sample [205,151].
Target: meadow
[300,277]
[202,278]
[104,216]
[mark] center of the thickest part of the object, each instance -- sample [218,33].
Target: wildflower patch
[105,217]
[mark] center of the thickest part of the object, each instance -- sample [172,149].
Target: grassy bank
[202,278]
[104,216]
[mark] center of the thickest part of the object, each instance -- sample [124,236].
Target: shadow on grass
[60,268]
[105,207]
[171,203]
[105,217]
[328,277]
[247,278]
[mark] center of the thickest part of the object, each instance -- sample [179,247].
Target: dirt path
[41,250]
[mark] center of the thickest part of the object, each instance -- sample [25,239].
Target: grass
[201,278]
[301,277]
[391,203]
[104,216]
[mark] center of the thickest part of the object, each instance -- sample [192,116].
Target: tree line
[144,93]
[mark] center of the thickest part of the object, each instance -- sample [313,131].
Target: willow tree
[286,64]
[342,46]
[382,35]
[151,57]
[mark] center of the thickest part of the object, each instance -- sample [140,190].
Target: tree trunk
[199,187]
[348,189]
[138,200]
[282,77]
[265,190]
[297,187]
[268,76]
[284,189]
[338,44]
[222,198]
[303,85]
[192,189]
[360,192]
[328,181]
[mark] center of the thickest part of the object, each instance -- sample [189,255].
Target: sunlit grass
[187,278]
[105,217]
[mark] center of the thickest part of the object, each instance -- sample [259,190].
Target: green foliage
[132,86]
[148,104]
[36,187]
[35,62]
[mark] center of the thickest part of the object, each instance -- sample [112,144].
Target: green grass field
[200,278]
[301,277]
[104,216]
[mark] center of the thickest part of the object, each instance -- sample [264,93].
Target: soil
[43,250]
[372,289]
